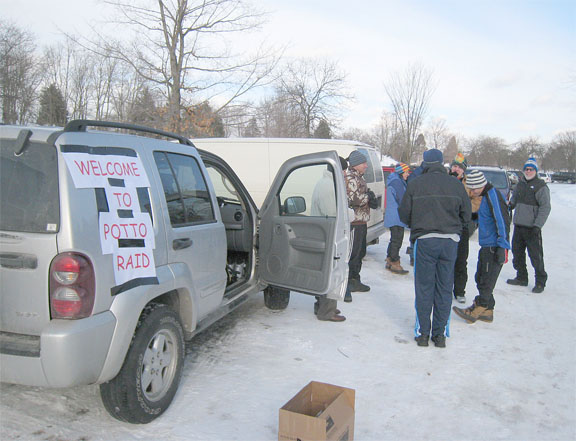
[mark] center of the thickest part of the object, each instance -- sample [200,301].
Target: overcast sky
[503,68]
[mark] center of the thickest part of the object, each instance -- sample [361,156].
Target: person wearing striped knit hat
[493,233]
[395,189]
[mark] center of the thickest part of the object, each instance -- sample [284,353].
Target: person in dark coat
[458,169]
[493,233]
[531,205]
[395,189]
[435,207]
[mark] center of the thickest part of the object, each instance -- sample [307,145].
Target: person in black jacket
[531,204]
[435,207]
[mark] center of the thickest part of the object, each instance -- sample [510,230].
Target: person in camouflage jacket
[358,198]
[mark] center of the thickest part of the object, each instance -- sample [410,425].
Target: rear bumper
[68,353]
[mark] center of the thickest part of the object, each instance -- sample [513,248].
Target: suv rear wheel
[276,298]
[149,378]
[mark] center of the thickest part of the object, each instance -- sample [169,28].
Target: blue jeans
[433,282]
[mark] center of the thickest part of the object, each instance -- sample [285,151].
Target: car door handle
[180,244]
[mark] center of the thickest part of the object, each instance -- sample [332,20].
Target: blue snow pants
[433,282]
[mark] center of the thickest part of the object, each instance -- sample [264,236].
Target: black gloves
[475,216]
[372,199]
[501,256]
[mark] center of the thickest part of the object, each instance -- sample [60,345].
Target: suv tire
[276,299]
[149,377]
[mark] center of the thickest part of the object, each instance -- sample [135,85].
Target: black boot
[439,341]
[422,340]
[517,282]
[538,288]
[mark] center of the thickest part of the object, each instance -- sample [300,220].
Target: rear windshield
[496,178]
[29,188]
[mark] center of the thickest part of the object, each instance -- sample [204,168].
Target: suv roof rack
[80,125]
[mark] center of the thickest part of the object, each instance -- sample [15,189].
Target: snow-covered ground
[513,379]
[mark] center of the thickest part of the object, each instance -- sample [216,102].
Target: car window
[369,173]
[496,178]
[378,175]
[185,189]
[29,188]
[296,196]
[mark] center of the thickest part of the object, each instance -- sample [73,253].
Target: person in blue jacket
[493,238]
[395,189]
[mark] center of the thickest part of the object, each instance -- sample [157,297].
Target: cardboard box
[319,412]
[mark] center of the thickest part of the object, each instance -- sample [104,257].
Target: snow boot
[422,340]
[439,341]
[487,316]
[396,268]
[538,288]
[388,263]
[470,314]
[356,285]
[517,282]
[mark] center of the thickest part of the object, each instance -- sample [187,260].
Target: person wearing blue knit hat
[531,205]
[435,207]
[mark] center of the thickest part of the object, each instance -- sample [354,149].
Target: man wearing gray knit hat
[493,232]
[358,200]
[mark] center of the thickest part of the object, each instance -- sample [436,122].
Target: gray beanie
[356,158]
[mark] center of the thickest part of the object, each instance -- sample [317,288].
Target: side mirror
[294,205]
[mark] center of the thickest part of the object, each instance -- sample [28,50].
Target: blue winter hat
[531,163]
[433,155]
[356,158]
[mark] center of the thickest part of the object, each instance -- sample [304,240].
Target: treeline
[203,93]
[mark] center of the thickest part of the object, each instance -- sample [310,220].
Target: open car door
[304,227]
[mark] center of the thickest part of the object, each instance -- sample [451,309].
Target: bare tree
[316,89]
[19,74]
[410,92]
[182,47]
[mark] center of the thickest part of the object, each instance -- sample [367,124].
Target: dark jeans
[526,238]
[396,238]
[487,272]
[358,251]
[460,267]
[433,282]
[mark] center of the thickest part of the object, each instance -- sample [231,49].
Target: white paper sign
[131,263]
[112,228]
[122,198]
[93,171]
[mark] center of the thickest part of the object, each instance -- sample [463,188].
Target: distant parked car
[513,177]
[498,177]
[546,177]
[569,177]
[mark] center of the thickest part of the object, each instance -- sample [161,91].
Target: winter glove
[372,199]
[475,216]
[536,230]
[501,256]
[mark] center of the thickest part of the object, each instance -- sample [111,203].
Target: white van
[257,160]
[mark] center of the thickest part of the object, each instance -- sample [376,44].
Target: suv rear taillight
[72,286]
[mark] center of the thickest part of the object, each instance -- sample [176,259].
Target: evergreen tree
[52,107]
[323,130]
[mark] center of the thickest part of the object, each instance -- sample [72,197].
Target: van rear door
[29,221]
[304,227]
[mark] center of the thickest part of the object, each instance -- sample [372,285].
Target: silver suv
[116,248]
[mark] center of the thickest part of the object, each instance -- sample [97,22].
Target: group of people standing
[443,210]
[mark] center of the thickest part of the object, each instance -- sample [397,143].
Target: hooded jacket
[395,189]
[435,203]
